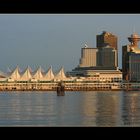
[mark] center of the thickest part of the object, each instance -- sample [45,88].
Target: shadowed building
[108,39]
[107,57]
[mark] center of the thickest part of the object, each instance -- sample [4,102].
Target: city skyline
[44,40]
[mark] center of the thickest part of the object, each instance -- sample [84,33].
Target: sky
[56,39]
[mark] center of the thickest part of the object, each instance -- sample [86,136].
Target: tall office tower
[88,57]
[107,57]
[131,59]
[106,39]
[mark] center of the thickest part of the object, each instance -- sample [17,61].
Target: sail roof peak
[61,74]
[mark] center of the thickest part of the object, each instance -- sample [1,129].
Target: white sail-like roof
[9,71]
[61,75]
[49,75]
[27,75]
[15,75]
[38,74]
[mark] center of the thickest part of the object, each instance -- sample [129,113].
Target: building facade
[107,57]
[134,67]
[88,57]
[97,75]
[131,59]
[106,38]
[102,60]
[125,60]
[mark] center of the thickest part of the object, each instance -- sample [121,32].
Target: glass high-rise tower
[131,59]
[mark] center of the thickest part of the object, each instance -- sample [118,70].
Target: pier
[69,86]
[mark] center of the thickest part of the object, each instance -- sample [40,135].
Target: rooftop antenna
[86,46]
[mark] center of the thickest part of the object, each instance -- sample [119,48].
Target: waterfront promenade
[69,86]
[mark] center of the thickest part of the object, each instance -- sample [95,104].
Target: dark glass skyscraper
[131,59]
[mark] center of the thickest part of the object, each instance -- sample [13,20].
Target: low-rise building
[97,75]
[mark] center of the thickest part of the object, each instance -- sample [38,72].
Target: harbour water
[93,108]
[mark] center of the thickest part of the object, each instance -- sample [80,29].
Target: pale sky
[57,39]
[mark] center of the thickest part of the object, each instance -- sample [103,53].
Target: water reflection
[27,109]
[89,108]
[108,108]
[96,108]
[69,109]
[101,108]
[131,109]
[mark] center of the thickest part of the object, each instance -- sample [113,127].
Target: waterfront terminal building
[97,74]
[28,75]
[97,70]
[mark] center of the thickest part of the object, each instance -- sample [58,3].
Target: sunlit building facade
[88,57]
[97,75]
[131,59]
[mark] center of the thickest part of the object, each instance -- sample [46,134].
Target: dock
[68,86]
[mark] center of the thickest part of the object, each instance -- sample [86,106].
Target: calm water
[117,108]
